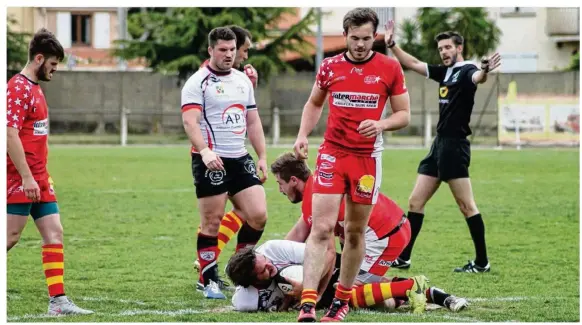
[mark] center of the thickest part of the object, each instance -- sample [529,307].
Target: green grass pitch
[130,221]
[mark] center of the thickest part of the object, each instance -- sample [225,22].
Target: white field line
[188,311]
[421,316]
[503,299]
[133,312]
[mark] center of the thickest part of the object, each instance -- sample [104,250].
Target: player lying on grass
[387,233]
[256,274]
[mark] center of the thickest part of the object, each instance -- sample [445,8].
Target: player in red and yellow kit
[29,187]
[359,83]
[387,234]
[387,231]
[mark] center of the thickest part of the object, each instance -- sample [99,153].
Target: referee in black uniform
[450,154]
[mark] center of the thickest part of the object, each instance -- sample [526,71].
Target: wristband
[485,65]
[391,44]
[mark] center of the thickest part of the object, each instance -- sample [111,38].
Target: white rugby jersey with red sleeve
[224,98]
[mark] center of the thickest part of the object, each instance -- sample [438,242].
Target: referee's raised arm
[404,58]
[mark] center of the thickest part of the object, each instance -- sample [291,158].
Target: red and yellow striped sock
[53,264]
[371,294]
[308,296]
[343,293]
[229,226]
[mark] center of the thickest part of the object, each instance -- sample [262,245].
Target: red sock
[343,293]
[308,296]
[399,288]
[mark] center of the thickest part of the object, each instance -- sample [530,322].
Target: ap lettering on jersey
[234,120]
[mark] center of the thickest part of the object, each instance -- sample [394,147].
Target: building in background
[534,39]
[87,34]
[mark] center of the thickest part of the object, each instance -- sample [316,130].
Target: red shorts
[339,172]
[15,193]
[381,253]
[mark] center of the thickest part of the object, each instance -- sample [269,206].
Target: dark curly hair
[46,43]
[241,267]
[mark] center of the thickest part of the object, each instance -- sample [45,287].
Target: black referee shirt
[456,97]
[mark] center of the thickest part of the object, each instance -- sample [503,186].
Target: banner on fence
[538,120]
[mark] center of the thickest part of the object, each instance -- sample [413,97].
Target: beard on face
[43,73]
[359,54]
[452,58]
[298,196]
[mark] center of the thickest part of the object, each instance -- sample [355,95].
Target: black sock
[415,220]
[438,296]
[247,237]
[477,229]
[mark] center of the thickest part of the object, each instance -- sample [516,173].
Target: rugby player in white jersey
[218,112]
[255,273]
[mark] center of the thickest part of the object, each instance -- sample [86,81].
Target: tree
[175,39]
[574,62]
[481,34]
[16,46]
[410,38]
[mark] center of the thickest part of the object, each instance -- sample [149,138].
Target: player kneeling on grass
[29,188]
[257,274]
[387,233]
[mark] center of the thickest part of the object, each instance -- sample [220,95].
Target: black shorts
[448,158]
[238,174]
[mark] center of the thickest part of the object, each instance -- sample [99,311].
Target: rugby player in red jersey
[359,83]
[29,187]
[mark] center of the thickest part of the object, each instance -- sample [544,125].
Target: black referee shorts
[448,158]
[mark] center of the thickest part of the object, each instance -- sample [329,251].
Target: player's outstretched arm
[405,59]
[299,232]
[309,118]
[487,65]
[191,122]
